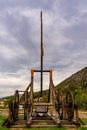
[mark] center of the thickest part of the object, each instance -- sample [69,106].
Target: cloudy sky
[65,41]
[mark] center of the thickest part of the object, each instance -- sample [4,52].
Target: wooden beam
[42,70]
[42,104]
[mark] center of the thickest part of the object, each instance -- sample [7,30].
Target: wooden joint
[51,73]
[32,73]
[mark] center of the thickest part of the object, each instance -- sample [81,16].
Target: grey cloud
[44,4]
[8,90]
[69,9]
[21,30]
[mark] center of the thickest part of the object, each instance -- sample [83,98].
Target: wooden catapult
[47,110]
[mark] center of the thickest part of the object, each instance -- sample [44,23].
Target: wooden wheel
[69,105]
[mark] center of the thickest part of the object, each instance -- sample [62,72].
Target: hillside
[76,81]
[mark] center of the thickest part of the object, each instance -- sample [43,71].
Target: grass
[4,128]
[82,128]
[2,119]
[85,121]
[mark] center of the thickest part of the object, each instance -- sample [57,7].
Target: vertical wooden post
[29,111]
[26,104]
[41,93]
[51,101]
[16,105]
[32,78]
[77,116]
[16,96]
[50,86]
[26,97]
[10,114]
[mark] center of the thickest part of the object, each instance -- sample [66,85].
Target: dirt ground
[83,114]
[4,112]
[16,129]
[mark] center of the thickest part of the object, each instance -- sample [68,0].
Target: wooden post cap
[32,73]
[51,73]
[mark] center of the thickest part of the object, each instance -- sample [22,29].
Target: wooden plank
[41,109]
[69,126]
[85,126]
[42,104]
[18,126]
[48,121]
[43,126]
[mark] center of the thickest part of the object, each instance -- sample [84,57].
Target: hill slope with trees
[77,84]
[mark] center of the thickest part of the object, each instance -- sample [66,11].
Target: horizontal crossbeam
[42,104]
[42,70]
